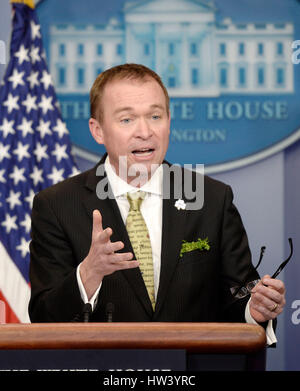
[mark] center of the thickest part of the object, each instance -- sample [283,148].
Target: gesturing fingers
[112,247]
[99,234]
[103,257]
[121,260]
[104,236]
[97,223]
[104,252]
[118,261]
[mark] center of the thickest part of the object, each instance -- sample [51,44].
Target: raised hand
[103,258]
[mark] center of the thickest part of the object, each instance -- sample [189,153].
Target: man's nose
[143,129]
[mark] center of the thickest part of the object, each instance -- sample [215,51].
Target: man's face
[135,123]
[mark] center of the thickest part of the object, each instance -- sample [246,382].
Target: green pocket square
[200,244]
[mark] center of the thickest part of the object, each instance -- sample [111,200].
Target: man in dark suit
[81,251]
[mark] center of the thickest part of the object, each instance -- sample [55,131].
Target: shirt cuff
[271,337]
[94,299]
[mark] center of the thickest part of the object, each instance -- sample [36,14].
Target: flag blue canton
[35,147]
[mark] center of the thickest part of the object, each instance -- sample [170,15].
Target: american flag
[35,152]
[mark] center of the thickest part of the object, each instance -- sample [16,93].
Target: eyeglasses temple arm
[286,261]
[262,251]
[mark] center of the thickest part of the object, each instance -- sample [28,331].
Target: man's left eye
[156,116]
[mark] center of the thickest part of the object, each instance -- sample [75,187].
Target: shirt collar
[120,187]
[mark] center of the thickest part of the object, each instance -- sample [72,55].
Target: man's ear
[96,130]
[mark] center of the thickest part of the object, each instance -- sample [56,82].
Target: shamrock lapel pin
[180,204]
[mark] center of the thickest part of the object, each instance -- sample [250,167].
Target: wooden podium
[139,346]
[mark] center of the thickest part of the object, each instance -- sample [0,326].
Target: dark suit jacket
[195,287]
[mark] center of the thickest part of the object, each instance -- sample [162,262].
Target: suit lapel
[172,236]
[112,218]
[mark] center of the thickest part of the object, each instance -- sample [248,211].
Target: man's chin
[140,173]
[136,169]
[142,169]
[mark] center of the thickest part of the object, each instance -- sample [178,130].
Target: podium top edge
[192,337]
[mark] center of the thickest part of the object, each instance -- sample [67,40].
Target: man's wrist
[271,337]
[90,281]
[87,295]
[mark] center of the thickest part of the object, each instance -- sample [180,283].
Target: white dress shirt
[151,209]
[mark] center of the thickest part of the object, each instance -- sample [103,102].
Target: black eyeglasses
[281,267]
[242,291]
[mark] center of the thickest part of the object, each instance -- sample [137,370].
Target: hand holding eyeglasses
[267,295]
[267,299]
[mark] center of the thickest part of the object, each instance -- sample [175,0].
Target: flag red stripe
[10,316]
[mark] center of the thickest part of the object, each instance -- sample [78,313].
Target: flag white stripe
[13,286]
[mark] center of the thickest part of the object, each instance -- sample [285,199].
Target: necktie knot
[135,200]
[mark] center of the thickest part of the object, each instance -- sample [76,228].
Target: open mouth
[143,151]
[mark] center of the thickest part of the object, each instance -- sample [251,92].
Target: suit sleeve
[237,267]
[236,264]
[55,295]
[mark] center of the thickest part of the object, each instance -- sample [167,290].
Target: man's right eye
[125,120]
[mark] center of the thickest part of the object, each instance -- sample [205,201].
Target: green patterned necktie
[140,241]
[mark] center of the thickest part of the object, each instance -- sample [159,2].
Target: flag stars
[18,175]
[34,54]
[44,128]
[22,54]
[56,175]
[74,172]
[26,223]
[37,176]
[16,78]
[40,152]
[60,152]
[30,104]
[29,198]
[23,247]
[46,80]
[11,103]
[22,151]
[33,79]
[4,152]
[7,127]
[14,199]
[43,55]
[33,155]
[35,30]
[2,172]
[46,104]
[60,128]
[9,223]
[25,127]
